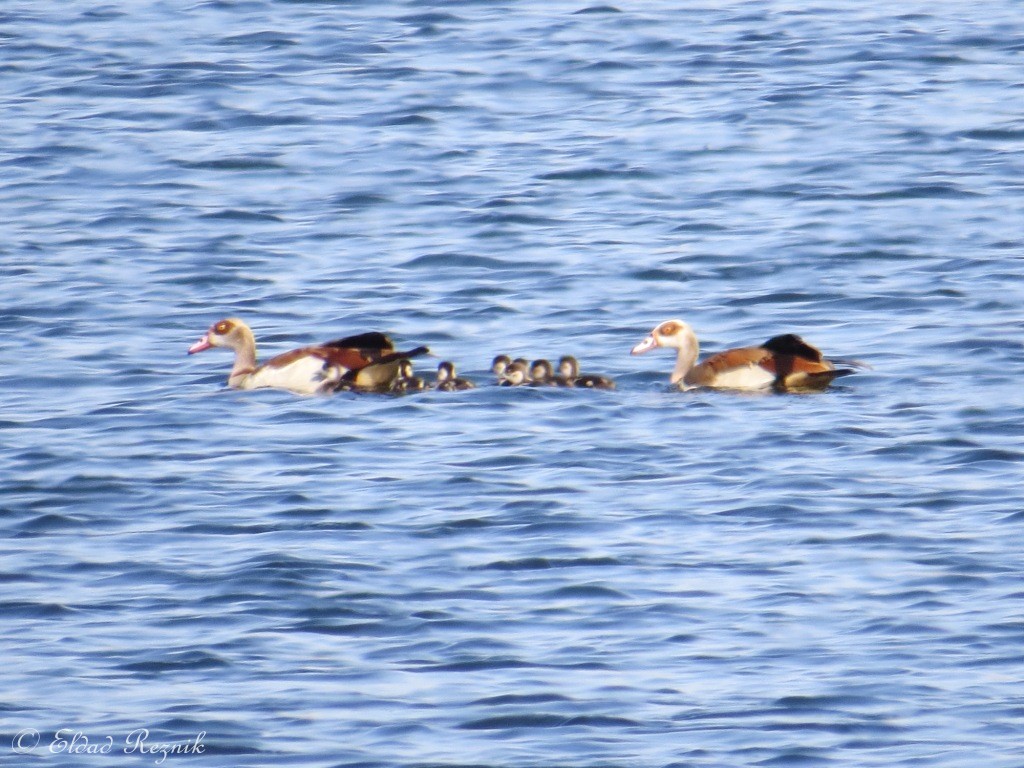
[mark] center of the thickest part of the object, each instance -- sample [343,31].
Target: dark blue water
[512,577]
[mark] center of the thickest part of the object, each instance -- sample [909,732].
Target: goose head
[677,335]
[230,332]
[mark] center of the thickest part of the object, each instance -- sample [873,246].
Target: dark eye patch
[222,327]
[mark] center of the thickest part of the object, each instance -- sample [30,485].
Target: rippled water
[513,577]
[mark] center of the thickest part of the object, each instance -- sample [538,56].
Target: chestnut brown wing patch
[737,358]
[787,365]
[345,358]
[706,373]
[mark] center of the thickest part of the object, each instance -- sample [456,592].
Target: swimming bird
[516,374]
[543,374]
[406,380]
[365,361]
[783,363]
[540,373]
[447,381]
[499,364]
[569,368]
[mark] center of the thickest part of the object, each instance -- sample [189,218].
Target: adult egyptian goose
[783,363]
[363,361]
[447,381]
[569,367]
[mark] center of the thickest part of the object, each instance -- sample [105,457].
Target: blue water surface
[512,577]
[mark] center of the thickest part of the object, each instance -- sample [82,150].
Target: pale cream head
[673,334]
[230,332]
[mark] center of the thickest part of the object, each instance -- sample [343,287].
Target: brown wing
[799,366]
[793,362]
[704,375]
[792,366]
[349,359]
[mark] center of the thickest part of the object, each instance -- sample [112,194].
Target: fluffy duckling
[540,373]
[516,374]
[569,368]
[543,374]
[407,381]
[499,364]
[447,381]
